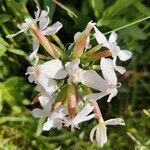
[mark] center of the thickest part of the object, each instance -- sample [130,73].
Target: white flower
[43,19]
[44,75]
[78,35]
[82,116]
[107,86]
[112,45]
[24,27]
[74,71]
[46,103]
[55,118]
[99,132]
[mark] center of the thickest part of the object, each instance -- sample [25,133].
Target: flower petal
[43,14]
[45,102]
[52,29]
[101,135]
[116,121]
[37,113]
[35,49]
[112,94]
[53,69]
[83,114]
[96,96]
[92,133]
[43,23]
[108,70]
[77,36]
[48,124]
[12,35]
[100,37]
[93,80]
[120,69]
[112,37]
[124,55]
[37,13]
[47,85]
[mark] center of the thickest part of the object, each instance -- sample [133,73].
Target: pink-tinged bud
[71,101]
[44,42]
[81,43]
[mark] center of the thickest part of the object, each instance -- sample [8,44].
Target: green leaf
[142,8]
[97,7]
[3,42]
[135,32]
[2,50]
[1,100]
[4,18]
[117,7]
[17,51]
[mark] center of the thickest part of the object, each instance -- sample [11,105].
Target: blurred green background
[20,131]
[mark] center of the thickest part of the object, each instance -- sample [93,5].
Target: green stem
[40,126]
[130,24]
[58,41]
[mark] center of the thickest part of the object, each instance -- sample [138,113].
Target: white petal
[37,112]
[52,29]
[83,114]
[35,49]
[45,102]
[112,37]
[48,125]
[53,69]
[112,94]
[101,135]
[116,121]
[37,13]
[72,66]
[100,37]
[43,23]
[77,36]
[12,35]
[120,69]
[92,133]
[93,80]
[95,96]
[47,84]
[108,70]
[124,55]
[114,48]
[44,14]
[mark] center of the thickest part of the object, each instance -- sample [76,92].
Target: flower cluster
[66,81]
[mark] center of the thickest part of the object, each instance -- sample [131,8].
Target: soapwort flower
[107,86]
[55,119]
[24,27]
[82,116]
[99,132]
[46,103]
[112,45]
[43,22]
[75,73]
[44,75]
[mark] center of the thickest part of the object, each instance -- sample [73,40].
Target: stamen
[118,84]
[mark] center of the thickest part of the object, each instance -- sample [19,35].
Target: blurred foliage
[19,130]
